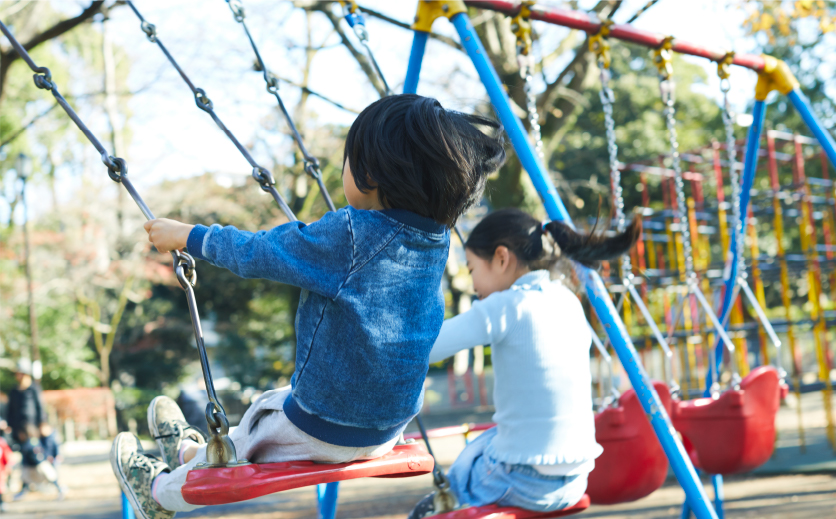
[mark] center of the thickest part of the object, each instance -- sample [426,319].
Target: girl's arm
[462,332]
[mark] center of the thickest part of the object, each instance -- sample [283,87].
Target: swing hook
[723,72]
[598,44]
[237,9]
[521,26]
[662,58]
[43,79]
[150,31]
[116,167]
[185,269]
[264,178]
[202,101]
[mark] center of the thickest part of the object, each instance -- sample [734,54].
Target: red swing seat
[500,512]
[736,432]
[217,486]
[633,464]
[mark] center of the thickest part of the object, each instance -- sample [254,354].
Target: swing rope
[662,57]
[312,167]
[220,451]
[260,174]
[601,48]
[357,23]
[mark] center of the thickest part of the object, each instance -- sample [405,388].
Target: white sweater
[540,344]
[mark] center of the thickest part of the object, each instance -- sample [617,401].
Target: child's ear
[502,257]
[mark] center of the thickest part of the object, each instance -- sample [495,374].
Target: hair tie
[543,225]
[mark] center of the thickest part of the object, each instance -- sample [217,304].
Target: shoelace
[141,462]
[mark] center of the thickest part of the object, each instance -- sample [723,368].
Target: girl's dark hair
[422,157]
[525,237]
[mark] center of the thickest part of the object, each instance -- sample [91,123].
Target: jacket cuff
[194,244]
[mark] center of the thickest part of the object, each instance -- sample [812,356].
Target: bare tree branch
[440,37]
[26,126]
[9,56]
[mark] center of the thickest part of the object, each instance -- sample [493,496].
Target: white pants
[265,435]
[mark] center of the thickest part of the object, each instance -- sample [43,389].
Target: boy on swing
[371,305]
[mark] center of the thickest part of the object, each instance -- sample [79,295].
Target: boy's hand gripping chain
[738,219]
[312,167]
[599,46]
[220,451]
[260,174]
[662,59]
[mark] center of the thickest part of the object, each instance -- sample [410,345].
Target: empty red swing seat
[499,512]
[217,486]
[736,432]
[633,464]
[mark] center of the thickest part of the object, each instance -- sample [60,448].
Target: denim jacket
[370,310]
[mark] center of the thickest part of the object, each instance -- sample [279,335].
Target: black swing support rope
[312,167]
[222,450]
[260,174]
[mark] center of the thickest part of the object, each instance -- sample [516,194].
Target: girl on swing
[543,446]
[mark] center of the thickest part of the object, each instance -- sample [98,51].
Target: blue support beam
[127,509]
[416,57]
[596,291]
[326,497]
[802,104]
[750,165]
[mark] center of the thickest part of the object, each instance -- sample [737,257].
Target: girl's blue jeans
[477,480]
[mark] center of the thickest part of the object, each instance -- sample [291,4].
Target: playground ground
[791,485]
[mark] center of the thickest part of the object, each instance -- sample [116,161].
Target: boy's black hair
[422,157]
[524,236]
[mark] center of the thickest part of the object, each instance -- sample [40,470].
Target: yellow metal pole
[808,241]
[778,225]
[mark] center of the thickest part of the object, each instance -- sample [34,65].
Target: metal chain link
[117,170]
[607,100]
[260,174]
[666,87]
[312,167]
[527,73]
[734,179]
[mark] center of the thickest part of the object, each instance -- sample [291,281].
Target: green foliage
[639,125]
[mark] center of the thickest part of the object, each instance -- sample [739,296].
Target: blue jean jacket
[370,310]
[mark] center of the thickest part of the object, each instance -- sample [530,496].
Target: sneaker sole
[152,426]
[116,465]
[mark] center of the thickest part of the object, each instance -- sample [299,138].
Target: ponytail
[590,249]
[540,246]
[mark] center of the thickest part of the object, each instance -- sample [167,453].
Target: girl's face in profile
[494,275]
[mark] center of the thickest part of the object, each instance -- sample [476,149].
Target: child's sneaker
[136,472]
[169,427]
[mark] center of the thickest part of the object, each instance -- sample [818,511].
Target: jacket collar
[532,280]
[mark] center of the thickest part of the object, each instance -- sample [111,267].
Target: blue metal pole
[753,142]
[800,102]
[596,291]
[416,57]
[326,496]
[127,509]
[717,481]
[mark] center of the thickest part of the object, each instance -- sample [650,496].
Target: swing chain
[355,20]
[525,59]
[204,103]
[662,58]
[734,165]
[184,264]
[311,163]
[600,47]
